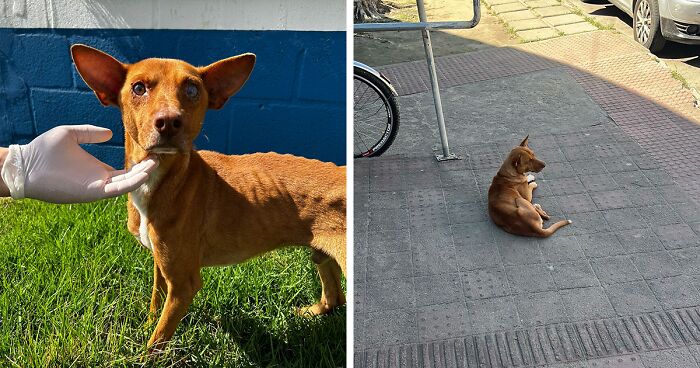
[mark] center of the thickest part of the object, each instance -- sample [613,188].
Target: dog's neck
[510,173]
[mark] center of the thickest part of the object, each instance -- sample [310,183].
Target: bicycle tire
[388,98]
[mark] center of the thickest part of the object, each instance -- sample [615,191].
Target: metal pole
[446,155]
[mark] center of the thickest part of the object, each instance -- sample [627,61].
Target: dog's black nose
[168,123]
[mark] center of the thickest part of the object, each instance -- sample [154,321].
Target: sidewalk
[436,284]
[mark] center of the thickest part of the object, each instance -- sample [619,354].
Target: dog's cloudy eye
[191,91]
[138,88]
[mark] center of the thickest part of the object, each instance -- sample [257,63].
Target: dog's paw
[313,310]
[533,184]
[530,178]
[569,221]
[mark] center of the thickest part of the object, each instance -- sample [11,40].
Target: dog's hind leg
[552,229]
[332,294]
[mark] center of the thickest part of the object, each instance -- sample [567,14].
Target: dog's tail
[552,229]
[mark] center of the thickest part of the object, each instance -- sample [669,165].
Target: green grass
[75,288]
[679,77]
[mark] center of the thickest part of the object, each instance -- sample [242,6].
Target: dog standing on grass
[510,195]
[202,208]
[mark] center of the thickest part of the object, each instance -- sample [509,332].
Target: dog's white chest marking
[138,198]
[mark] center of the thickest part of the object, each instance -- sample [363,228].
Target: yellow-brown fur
[205,208]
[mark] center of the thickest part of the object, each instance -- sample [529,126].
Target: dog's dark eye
[191,91]
[138,88]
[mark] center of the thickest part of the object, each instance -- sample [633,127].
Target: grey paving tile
[658,177]
[653,265]
[614,270]
[607,150]
[462,213]
[619,164]
[689,212]
[639,240]
[575,203]
[644,196]
[463,194]
[540,308]
[677,236]
[496,314]
[586,167]
[679,357]
[599,182]
[359,295]
[557,249]
[550,155]
[517,250]
[688,259]
[434,259]
[389,294]
[464,177]
[422,217]
[586,223]
[577,274]
[387,200]
[391,327]
[632,298]
[472,256]
[438,289]
[674,194]
[388,219]
[392,241]
[645,162]
[433,197]
[565,186]
[529,278]
[624,219]
[420,179]
[586,303]
[443,321]
[611,199]
[600,244]
[474,233]
[633,179]
[388,265]
[660,214]
[485,283]
[675,292]
[577,152]
[556,170]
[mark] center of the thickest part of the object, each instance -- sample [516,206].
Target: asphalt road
[685,59]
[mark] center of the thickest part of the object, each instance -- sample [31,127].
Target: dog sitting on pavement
[202,208]
[510,195]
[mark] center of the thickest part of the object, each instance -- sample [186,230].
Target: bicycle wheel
[376,115]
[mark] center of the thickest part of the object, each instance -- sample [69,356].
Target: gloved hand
[54,168]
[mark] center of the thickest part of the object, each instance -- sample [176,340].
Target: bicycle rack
[424,26]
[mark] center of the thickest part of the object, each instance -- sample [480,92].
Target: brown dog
[510,195]
[202,208]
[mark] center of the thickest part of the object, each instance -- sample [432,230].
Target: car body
[679,20]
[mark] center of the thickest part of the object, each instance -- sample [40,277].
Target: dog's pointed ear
[103,73]
[224,78]
[525,141]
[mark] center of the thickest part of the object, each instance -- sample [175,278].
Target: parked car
[655,21]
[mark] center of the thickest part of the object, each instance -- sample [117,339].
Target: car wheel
[647,27]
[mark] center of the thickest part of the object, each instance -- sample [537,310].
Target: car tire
[646,25]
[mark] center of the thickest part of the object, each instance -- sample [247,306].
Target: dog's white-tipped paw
[530,178]
[569,221]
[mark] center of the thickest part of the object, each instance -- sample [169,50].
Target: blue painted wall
[294,102]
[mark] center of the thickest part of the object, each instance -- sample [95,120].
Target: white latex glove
[54,168]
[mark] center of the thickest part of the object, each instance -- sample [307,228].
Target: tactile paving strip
[553,344]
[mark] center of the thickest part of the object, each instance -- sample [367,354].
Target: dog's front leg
[180,272]
[160,288]
[181,292]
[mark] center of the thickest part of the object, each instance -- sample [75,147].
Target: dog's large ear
[224,78]
[525,141]
[103,73]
